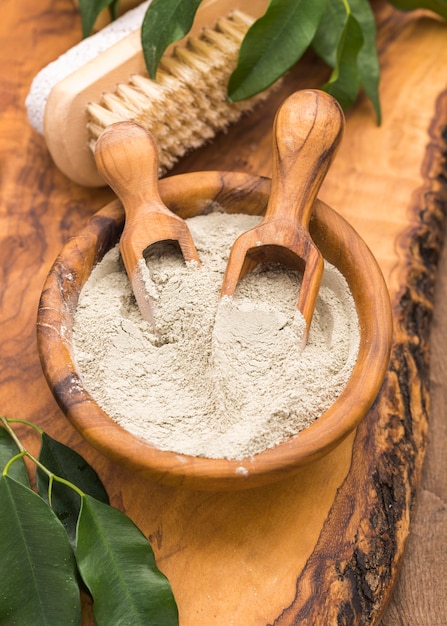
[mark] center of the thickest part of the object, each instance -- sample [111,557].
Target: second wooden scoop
[127,157]
[307,132]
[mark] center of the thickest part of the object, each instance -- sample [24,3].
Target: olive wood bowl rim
[190,194]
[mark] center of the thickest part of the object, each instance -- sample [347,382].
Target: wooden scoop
[127,157]
[307,131]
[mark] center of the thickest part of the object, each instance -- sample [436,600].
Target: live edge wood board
[325,546]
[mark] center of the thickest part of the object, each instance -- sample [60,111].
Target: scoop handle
[133,178]
[306,134]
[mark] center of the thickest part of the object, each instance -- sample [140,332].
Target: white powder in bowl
[216,378]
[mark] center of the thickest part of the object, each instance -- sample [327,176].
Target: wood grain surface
[282,568]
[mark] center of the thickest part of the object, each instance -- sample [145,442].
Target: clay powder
[215,378]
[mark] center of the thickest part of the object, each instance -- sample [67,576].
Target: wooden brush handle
[127,157]
[307,132]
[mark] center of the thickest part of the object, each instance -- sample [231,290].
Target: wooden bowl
[189,195]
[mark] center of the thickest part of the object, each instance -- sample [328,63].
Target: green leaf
[336,41]
[437,6]
[273,44]
[8,450]
[344,81]
[113,9]
[367,60]
[117,565]
[90,9]
[326,40]
[37,565]
[165,21]
[67,464]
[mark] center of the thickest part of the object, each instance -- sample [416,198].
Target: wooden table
[390,183]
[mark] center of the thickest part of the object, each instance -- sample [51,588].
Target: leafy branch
[66,536]
[341,32]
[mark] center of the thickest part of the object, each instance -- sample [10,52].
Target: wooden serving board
[325,546]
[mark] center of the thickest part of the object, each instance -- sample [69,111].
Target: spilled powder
[216,378]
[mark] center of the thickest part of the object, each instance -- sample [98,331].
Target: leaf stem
[18,456]
[347,7]
[24,452]
[5,421]
[26,422]
[67,483]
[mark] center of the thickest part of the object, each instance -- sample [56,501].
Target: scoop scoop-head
[127,157]
[307,131]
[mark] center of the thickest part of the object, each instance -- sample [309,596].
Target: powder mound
[219,378]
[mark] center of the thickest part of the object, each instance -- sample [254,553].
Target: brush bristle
[187,104]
